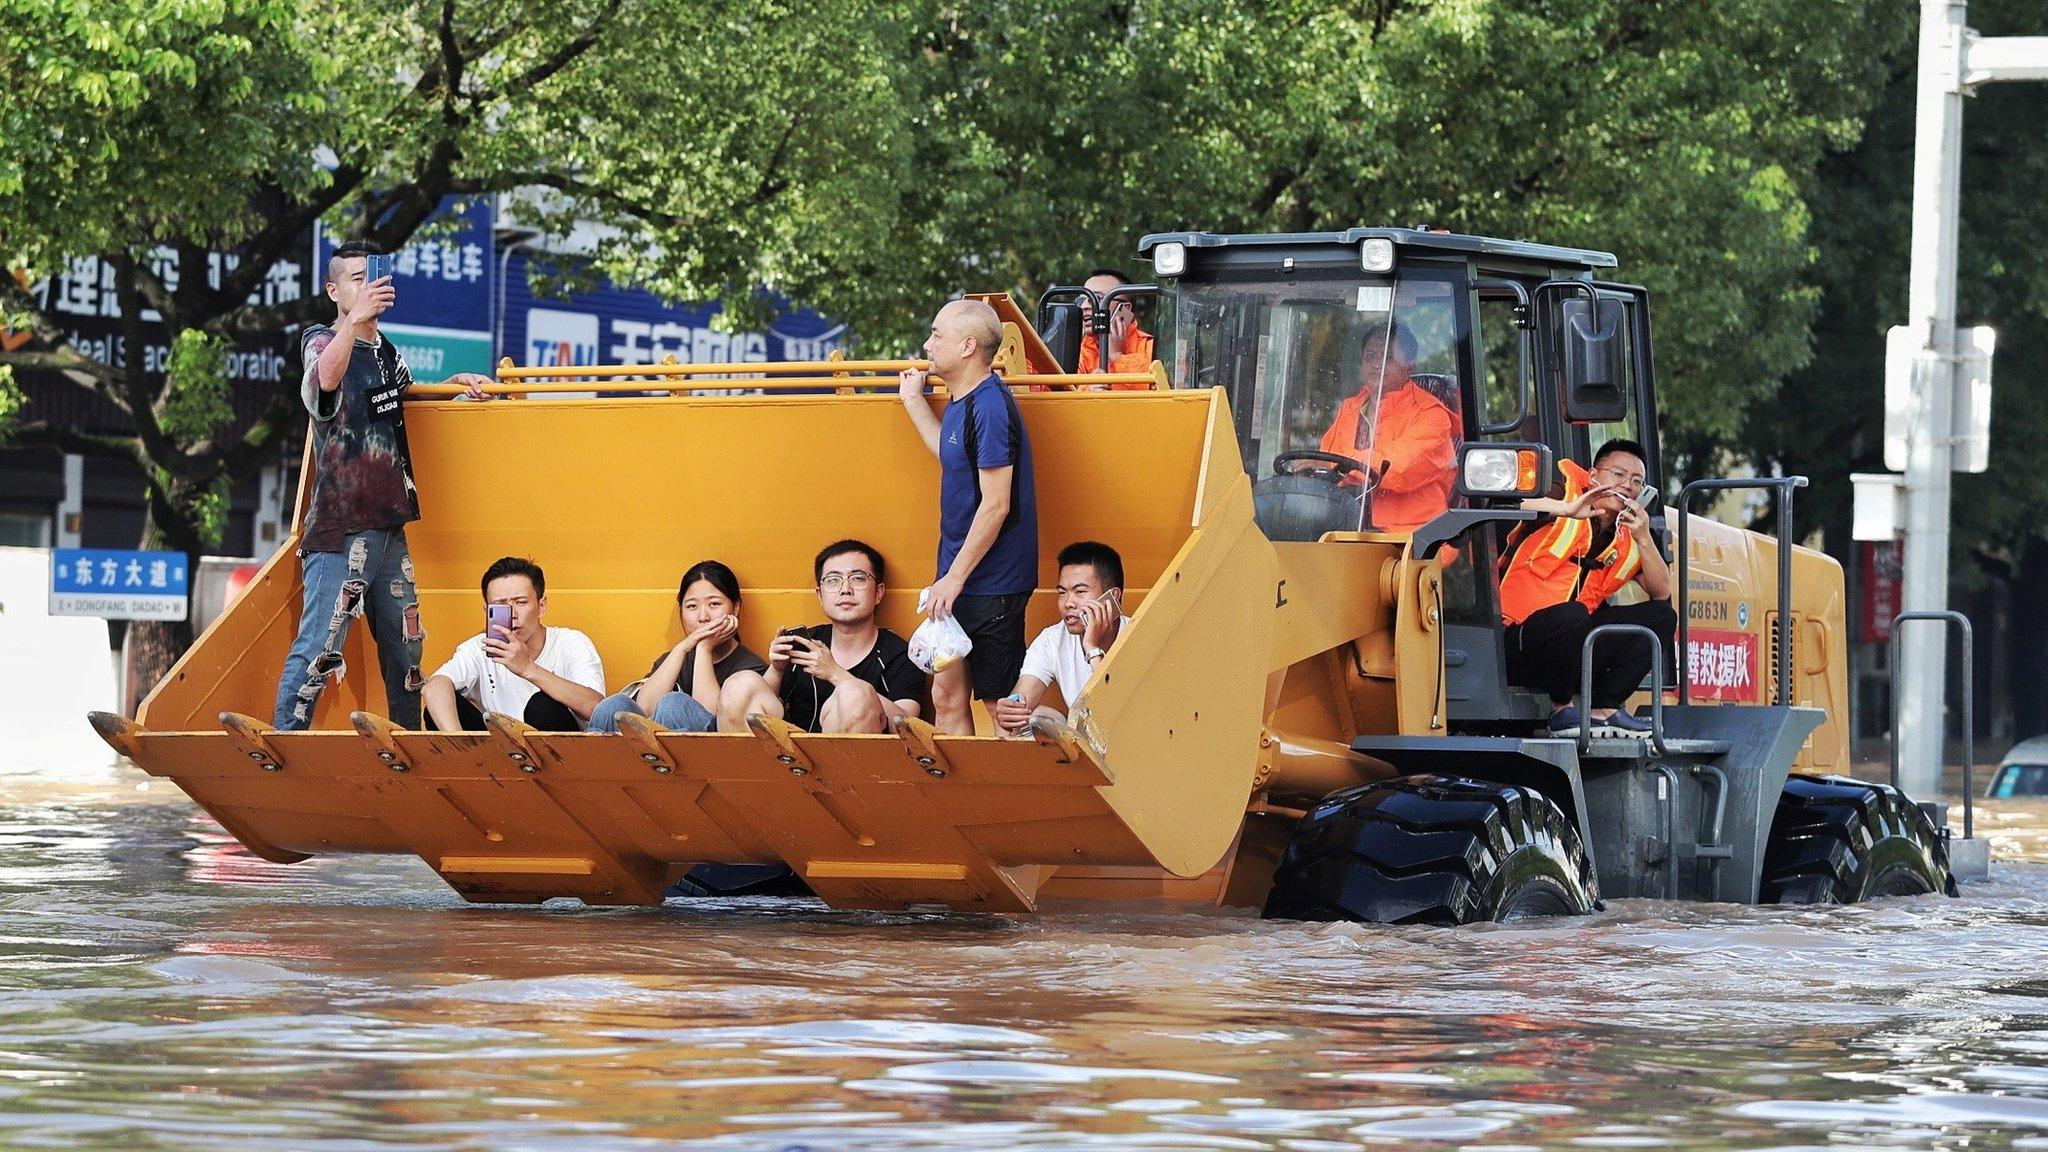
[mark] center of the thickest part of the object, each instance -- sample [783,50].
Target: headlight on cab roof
[1170,259]
[1376,254]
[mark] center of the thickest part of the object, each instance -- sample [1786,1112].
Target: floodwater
[160,988]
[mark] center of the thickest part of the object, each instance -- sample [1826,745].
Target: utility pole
[1953,60]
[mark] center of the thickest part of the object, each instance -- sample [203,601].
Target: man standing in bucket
[352,552]
[988,508]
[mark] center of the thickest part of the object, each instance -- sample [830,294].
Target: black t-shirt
[887,666]
[740,659]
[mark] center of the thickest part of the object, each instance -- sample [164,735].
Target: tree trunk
[153,646]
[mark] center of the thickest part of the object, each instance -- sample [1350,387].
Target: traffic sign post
[117,584]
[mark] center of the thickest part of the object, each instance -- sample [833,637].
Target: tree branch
[261,252]
[85,371]
[560,59]
[68,439]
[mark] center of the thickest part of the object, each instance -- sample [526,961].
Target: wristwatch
[1094,654]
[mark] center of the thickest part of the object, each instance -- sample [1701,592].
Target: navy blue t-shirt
[989,415]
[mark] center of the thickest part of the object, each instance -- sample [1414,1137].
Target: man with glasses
[848,675]
[1558,577]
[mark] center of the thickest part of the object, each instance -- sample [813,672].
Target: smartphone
[376,267]
[498,616]
[1647,498]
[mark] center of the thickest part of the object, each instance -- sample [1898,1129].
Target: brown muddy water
[160,988]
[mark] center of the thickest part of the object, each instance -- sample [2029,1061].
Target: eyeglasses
[1624,479]
[834,581]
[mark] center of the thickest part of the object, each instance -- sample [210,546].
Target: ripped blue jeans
[371,576]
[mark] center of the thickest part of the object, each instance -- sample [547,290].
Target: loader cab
[1360,364]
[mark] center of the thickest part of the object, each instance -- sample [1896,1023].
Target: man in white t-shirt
[1091,592]
[551,678]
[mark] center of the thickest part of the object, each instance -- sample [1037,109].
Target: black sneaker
[1565,722]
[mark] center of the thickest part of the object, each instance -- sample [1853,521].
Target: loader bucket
[614,495]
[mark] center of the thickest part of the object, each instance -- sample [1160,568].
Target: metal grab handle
[1783,486]
[1586,683]
[1962,622]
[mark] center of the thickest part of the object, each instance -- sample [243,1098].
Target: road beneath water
[160,988]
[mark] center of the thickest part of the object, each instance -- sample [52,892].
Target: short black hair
[841,548]
[347,249]
[515,566]
[1109,567]
[1402,341]
[1120,277]
[1622,444]
[713,573]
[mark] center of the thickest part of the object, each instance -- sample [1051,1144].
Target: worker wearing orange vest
[1130,347]
[1557,578]
[1404,437]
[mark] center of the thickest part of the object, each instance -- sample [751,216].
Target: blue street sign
[118,584]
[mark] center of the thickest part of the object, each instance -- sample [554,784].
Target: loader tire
[1841,841]
[1433,850]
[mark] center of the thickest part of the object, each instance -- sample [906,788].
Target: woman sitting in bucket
[681,691]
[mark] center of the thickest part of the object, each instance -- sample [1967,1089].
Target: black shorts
[996,625]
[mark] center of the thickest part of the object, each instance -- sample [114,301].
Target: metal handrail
[1962,622]
[1784,487]
[1586,684]
[788,375]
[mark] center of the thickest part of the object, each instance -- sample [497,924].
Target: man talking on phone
[988,508]
[352,552]
[1066,654]
[1557,581]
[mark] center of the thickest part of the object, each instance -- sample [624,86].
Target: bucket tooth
[515,737]
[252,736]
[1054,736]
[120,733]
[920,740]
[379,730]
[780,737]
[647,734]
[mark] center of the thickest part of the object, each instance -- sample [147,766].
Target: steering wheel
[1339,467]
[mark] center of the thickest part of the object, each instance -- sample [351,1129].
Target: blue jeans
[676,711]
[371,576]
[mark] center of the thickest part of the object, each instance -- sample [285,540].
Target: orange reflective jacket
[1136,357]
[1415,442]
[1549,564]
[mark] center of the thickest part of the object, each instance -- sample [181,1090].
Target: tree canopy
[867,159]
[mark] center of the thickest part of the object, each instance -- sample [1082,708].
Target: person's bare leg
[953,701]
[743,694]
[854,707]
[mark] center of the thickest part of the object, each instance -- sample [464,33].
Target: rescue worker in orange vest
[1557,577]
[1130,347]
[1406,438]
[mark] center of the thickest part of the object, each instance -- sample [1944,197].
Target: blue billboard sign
[117,584]
[609,324]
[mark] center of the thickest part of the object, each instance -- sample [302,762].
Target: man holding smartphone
[352,551]
[1066,654]
[1557,582]
[549,678]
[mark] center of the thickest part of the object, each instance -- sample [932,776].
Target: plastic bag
[938,644]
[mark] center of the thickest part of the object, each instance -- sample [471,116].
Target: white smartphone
[1647,498]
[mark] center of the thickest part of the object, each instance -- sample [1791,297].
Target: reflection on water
[161,988]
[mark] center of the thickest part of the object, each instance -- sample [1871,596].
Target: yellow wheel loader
[1309,712]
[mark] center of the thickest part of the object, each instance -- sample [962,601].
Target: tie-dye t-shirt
[362,469]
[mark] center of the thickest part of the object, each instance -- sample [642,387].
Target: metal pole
[1937,194]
